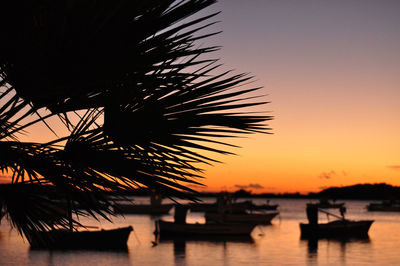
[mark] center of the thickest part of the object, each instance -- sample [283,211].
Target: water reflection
[180,244]
[179,251]
[332,247]
[206,238]
[76,257]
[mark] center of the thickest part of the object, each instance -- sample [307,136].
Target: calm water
[276,244]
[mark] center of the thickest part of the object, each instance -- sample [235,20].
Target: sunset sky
[331,70]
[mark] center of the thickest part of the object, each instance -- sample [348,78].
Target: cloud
[394,167]
[332,173]
[255,186]
[328,175]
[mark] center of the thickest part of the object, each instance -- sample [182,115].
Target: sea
[275,244]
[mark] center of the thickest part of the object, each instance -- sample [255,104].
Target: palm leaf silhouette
[139,101]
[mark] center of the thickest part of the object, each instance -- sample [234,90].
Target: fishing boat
[72,238]
[214,207]
[326,204]
[143,208]
[224,203]
[384,206]
[240,218]
[266,207]
[207,229]
[155,207]
[340,228]
[179,227]
[66,239]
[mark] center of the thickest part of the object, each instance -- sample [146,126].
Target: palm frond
[140,102]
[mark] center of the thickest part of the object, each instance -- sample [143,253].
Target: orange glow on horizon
[331,71]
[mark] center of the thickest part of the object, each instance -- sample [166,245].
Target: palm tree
[138,102]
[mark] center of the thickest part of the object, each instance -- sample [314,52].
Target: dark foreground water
[276,244]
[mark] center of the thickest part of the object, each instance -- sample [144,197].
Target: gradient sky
[331,70]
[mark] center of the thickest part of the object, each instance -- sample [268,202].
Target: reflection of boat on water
[385,206]
[314,243]
[182,244]
[66,239]
[246,238]
[240,218]
[341,228]
[180,227]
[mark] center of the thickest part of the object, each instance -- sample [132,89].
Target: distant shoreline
[380,191]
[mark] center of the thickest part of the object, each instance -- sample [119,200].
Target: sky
[331,70]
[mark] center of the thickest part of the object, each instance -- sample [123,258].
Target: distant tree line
[380,191]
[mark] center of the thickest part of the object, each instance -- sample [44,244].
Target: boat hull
[196,229]
[64,239]
[243,218]
[336,229]
[264,207]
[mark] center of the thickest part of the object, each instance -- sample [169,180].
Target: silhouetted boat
[143,208]
[155,207]
[66,239]
[180,228]
[224,203]
[341,228]
[207,229]
[325,204]
[336,229]
[266,207]
[213,207]
[240,218]
[385,206]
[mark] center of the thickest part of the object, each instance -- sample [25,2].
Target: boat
[240,218]
[179,227]
[224,203]
[66,239]
[336,229]
[207,229]
[325,204]
[385,206]
[72,238]
[143,208]
[340,228]
[155,207]
[266,207]
[214,207]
